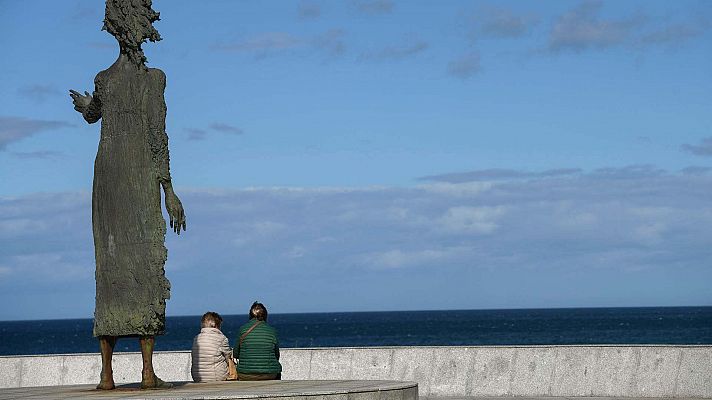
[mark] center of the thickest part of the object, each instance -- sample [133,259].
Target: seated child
[211,354]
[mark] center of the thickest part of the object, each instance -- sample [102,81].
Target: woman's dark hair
[259,311]
[211,320]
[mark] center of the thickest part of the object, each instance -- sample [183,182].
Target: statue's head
[131,23]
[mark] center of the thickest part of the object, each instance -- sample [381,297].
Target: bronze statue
[131,166]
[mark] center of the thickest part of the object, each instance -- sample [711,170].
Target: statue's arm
[88,105]
[157,127]
[159,148]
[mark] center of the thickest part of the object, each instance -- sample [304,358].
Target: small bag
[232,369]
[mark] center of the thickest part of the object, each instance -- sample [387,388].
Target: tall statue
[131,166]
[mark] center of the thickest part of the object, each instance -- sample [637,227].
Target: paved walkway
[559,398]
[282,390]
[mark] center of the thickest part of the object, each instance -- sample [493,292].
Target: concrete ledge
[266,390]
[488,371]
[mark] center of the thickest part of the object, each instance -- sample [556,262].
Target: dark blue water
[655,325]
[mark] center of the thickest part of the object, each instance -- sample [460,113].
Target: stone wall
[613,371]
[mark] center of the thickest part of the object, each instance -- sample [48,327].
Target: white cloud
[458,189]
[38,155]
[498,22]
[267,41]
[479,220]
[650,233]
[583,28]
[465,66]
[330,43]
[308,10]
[653,212]
[23,226]
[296,252]
[574,220]
[677,33]
[399,258]
[226,128]
[14,129]
[621,220]
[397,52]
[57,267]
[373,7]
[704,148]
[265,228]
[497,174]
[39,92]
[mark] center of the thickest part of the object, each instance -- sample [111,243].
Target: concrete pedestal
[282,390]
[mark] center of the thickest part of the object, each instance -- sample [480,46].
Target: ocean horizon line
[399,311]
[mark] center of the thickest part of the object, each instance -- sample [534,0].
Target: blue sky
[379,155]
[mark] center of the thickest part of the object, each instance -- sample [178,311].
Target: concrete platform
[282,390]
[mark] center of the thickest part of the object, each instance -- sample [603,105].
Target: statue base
[253,390]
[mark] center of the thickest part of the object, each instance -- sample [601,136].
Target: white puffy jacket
[209,356]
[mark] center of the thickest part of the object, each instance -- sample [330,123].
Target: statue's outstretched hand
[175,212]
[81,101]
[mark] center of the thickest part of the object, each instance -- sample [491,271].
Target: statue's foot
[155,383]
[106,384]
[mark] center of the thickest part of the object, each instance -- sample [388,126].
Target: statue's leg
[149,380]
[106,345]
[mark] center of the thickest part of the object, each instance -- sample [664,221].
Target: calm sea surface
[656,325]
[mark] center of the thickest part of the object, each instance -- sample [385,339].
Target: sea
[566,326]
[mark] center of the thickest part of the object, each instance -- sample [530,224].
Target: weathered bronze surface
[131,166]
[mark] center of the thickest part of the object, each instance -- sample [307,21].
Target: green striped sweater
[259,352]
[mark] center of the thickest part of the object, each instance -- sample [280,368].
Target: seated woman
[257,348]
[211,353]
